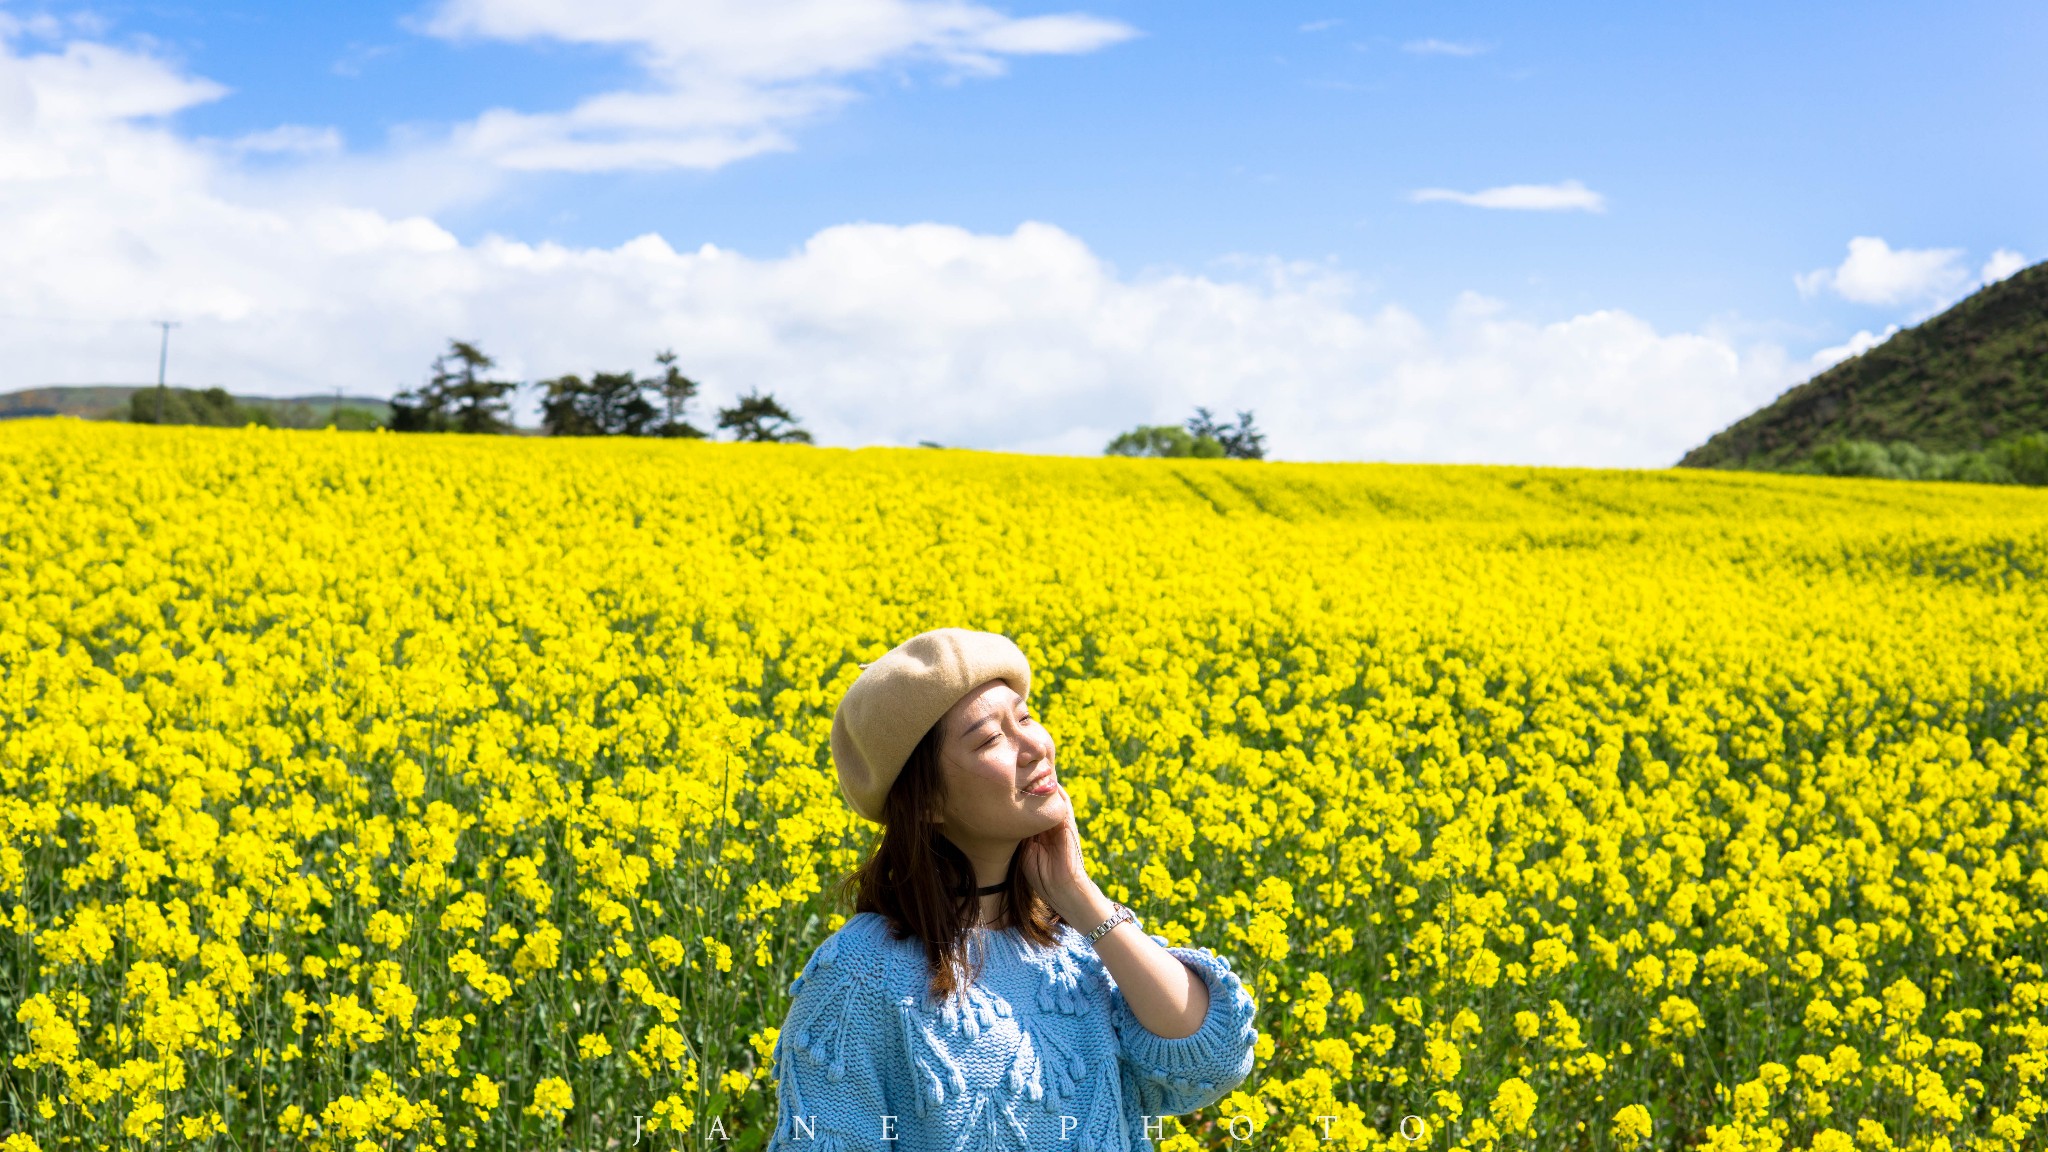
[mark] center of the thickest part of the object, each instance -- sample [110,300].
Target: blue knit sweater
[1042,1053]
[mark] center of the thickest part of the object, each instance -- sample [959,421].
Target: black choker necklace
[993,888]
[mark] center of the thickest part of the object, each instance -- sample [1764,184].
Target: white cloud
[48,26]
[873,334]
[1445,48]
[727,79]
[1320,25]
[1876,273]
[1565,197]
[289,139]
[2003,263]
[1930,279]
[1863,341]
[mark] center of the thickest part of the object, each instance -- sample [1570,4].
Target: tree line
[2020,458]
[459,396]
[1200,436]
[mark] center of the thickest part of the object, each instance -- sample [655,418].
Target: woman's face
[992,750]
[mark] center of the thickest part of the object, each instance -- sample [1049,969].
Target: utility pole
[163,359]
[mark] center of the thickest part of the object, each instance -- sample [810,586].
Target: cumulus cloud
[2002,263]
[1863,341]
[1434,47]
[727,79]
[1928,280]
[1569,196]
[1876,273]
[873,334]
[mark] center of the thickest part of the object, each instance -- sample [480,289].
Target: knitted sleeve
[833,1056]
[1175,1077]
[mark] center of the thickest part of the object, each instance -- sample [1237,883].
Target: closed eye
[1024,719]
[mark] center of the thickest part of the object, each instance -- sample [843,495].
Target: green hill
[1975,375]
[112,402]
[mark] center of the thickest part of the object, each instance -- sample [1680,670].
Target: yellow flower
[389,750]
[667,950]
[552,1099]
[466,914]
[1513,1105]
[1336,1055]
[481,1094]
[662,1048]
[671,1113]
[1631,1126]
[1266,935]
[540,952]
[1443,1060]
[387,929]
[351,1023]
[436,1042]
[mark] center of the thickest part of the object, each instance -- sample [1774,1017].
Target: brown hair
[923,885]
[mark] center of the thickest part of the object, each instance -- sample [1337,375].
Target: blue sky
[1266,168]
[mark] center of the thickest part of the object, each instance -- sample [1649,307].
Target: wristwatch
[1115,918]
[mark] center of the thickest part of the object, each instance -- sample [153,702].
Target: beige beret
[897,698]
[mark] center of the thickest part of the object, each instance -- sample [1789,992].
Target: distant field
[376,791]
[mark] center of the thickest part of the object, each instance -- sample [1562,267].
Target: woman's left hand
[1052,863]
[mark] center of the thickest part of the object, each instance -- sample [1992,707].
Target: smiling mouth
[1040,787]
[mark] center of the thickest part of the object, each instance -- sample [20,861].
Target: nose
[1038,744]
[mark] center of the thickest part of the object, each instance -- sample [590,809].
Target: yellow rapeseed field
[363,791]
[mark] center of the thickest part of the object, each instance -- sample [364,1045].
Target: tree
[565,407]
[1242,442]
[211,406]
[418,410]
[621,409]
[479,405]
[611,404]
[2024,457]
[616,404]
[676,391]
[455,398]
[1201,438]
[759,418]
[1163,440]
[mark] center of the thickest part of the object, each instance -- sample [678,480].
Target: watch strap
[1115,918]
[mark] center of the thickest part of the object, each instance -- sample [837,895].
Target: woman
[959,1008]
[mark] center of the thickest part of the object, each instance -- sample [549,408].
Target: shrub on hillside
[2024,457]
[2014,460]
[210,406]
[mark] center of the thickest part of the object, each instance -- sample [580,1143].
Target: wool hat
[898,697]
